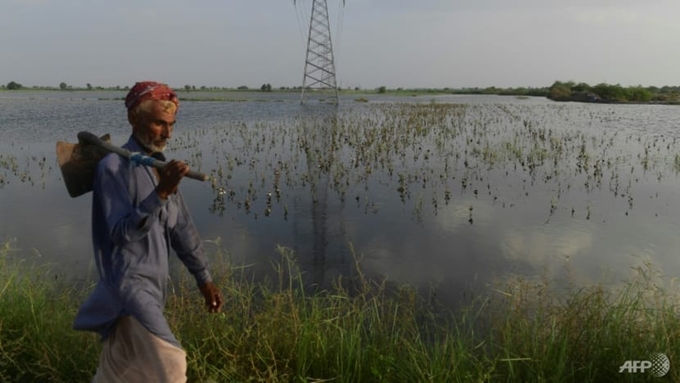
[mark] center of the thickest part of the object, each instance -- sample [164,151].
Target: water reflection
[446,197]
[321,244]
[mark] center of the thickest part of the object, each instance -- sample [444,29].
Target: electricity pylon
[319,61]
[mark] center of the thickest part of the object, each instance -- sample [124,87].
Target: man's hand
[212,295]
[169,177]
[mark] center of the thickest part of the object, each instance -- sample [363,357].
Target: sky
[392,43]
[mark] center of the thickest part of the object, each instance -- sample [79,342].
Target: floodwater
[445,193]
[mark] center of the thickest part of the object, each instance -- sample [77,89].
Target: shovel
[78,162]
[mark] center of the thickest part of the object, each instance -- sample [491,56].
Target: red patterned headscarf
[149,90]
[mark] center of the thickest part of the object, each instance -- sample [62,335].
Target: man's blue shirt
[132,232]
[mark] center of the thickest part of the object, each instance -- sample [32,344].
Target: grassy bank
[359,332]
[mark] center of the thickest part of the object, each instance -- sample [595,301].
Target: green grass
[36,340]
[359,331]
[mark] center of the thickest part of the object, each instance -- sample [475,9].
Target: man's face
[154,127]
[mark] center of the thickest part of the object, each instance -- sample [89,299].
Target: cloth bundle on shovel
[78,162]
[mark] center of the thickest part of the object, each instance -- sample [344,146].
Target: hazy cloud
[429,43]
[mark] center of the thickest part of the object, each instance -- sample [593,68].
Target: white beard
[149,144]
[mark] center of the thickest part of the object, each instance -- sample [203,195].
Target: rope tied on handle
[137,158]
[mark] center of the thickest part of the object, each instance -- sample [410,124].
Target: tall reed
[361,330]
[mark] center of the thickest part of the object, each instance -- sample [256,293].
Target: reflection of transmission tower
[320,237]
[319,62]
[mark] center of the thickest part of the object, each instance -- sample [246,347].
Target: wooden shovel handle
[89,138]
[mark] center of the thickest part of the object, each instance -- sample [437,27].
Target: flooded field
[446,193]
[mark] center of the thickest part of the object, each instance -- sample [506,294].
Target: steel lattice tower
[319,62]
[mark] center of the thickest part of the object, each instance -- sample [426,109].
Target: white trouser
[133,354]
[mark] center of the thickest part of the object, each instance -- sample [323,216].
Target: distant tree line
[14,85]
[606,93]
[267,87]
[558,91]
[492,90]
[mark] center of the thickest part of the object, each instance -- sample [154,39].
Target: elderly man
[137,215]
